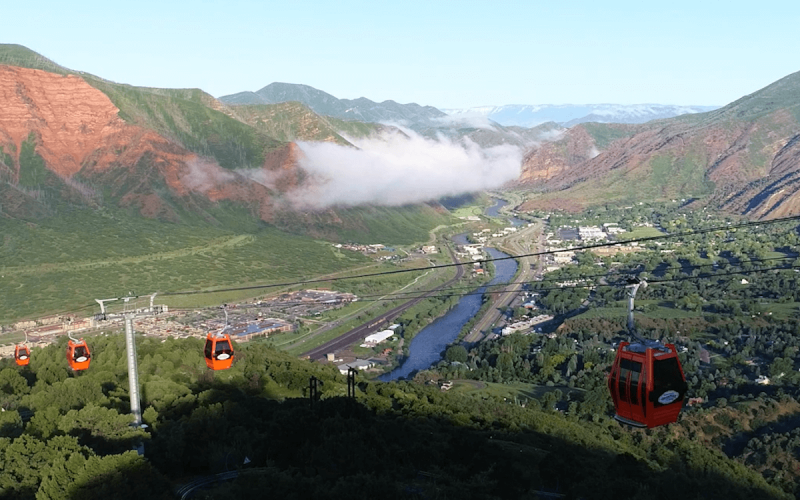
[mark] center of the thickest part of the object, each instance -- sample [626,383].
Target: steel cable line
[426,294]
[455,289]
[588,286]
[533,254]
[441,266]
[473,289]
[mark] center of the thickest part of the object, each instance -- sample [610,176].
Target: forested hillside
[66,435]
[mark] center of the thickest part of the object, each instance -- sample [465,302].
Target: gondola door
[667,387]
[627,383]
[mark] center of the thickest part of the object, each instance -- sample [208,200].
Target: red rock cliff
[77,129]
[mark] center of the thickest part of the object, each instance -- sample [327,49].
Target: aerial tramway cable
[456,264]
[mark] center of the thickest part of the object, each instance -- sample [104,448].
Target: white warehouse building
[377,338]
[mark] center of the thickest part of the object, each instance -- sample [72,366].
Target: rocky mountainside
[489,134]
[72,139]
[742,158]
[59,133]
[361,109]
[567,115]
[427,121]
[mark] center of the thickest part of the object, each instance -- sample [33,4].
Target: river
[426,347]
[494,211]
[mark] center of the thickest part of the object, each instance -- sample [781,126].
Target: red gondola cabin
[218,351]
[78,355]
[22,355]
[647,384]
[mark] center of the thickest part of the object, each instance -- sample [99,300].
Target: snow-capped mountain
[527,115]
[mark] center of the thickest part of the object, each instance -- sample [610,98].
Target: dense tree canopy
[395,439]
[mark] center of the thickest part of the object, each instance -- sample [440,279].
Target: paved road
[361,331]
[516,244]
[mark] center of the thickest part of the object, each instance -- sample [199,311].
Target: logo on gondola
[81,359]
[223,356]
[668,397]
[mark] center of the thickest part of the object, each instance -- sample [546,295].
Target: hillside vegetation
[174,155]
[401,440]
[190,117]
[742,158]
[64,262]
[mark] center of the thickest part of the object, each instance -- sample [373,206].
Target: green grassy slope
[387,225]
[186,116]
[289,121]
[68,260]
[606,133]
[18,55]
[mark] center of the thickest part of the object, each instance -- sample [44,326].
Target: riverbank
[426,347]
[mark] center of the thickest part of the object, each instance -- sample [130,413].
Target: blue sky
[446,54]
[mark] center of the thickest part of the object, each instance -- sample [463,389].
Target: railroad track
[365,329]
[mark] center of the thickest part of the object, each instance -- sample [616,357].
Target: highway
[516,244]
[361,331]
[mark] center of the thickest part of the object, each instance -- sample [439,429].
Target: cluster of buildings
[370,341]
[319,296]
[595,233]
[526,325]
[561,245]
[159,326]
[54,325]
[472,252]
[365,249]
[244,331]
[588,233]
[359,364]
[504,232]
[484,235]
[304,303]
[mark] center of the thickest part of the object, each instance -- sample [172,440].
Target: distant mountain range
[416,116]
[567,115]
[425,120]
[361,109]
[180,154]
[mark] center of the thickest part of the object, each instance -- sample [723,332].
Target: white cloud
[398,168]
[204,174]
[466,120]
[551,135]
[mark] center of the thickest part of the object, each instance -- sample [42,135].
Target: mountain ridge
[728,156]
[567,115]
[168,154]
[322,103]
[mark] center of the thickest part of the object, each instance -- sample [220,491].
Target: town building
[359,364]
[376,338]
